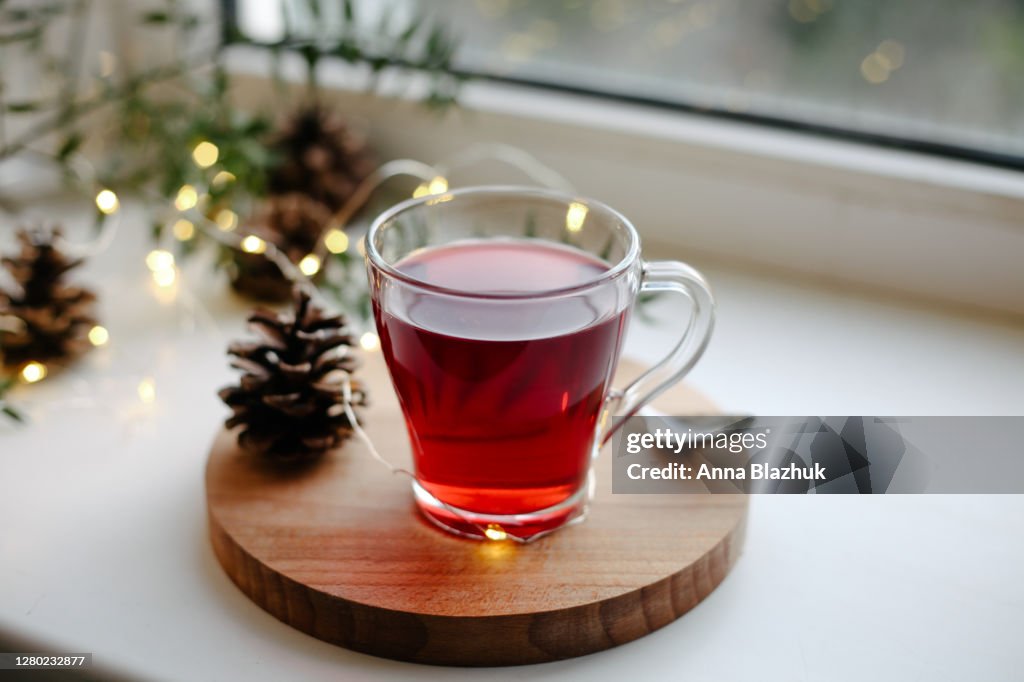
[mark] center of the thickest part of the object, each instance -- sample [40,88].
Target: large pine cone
[319,157]
[290,402]
[44,319]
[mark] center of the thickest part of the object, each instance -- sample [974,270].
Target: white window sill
[781,347]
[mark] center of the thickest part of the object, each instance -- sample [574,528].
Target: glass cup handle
[666,276]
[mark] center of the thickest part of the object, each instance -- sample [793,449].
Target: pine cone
[291,222]
[321,165]
[291,398]
[319,157]
[45,319]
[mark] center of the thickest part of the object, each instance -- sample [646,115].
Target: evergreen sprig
[6,383]
[417,41]
[161,112]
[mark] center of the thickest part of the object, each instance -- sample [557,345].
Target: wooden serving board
[340,552]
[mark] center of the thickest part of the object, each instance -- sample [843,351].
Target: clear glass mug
[501,313]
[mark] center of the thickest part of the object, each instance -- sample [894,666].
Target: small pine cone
[44,319]
[319,157]
[290,401]
[291,222]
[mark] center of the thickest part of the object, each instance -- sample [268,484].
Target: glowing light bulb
[437,185]
[205,154]
[187,198]
[226,220]
[159,259]
[222,178]
[874,69]
[253,244]
[165,278]
[336,241]
[107,202]
[183,230]
[99,336]
[892,52]
[575,216]
[161,263]
[369,341]
[309,265]
[147,390]
[495,532]
[33,372]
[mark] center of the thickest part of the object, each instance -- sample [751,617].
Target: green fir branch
[159,114]
[6,383]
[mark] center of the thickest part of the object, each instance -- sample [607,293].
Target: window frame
[874,138]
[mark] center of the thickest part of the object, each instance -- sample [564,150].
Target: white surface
[104,549]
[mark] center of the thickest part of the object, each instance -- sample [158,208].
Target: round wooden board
[340,552]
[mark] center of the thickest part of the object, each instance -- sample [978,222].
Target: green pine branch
[5,407]
[417,43]
[161,113]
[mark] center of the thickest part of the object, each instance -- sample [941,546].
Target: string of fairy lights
[223,227]
[190,220]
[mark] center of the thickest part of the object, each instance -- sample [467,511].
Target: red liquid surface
[501,398]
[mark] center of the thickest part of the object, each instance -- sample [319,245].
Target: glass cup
[501,313]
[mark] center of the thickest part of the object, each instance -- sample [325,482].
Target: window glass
[943,75]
